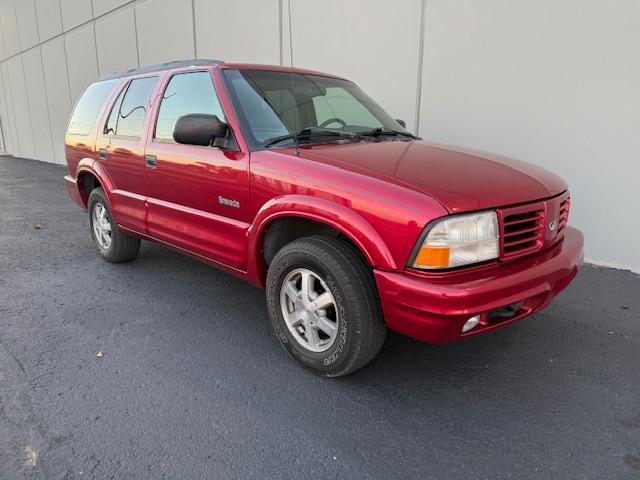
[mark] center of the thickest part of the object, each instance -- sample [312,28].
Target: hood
[461,180]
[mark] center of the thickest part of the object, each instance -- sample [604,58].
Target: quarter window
[87,108]
[186,93]
[127,115]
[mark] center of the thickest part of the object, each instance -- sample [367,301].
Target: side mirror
[200,129]
[402,123]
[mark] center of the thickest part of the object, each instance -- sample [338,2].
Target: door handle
[102,153]
[150,160]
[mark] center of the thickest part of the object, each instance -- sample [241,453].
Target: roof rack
[162,66]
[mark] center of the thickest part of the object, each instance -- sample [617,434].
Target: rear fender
[92,167]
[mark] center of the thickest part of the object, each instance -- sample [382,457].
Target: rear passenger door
[120,147]
[197,196]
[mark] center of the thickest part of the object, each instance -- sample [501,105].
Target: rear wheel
[324,306]
[112,244]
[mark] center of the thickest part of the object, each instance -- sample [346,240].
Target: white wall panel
[58,100]
[75,12]
[21,107]
[116,42]
[556,86]
[49,19]
[250,31]
[165,31]
[6,115]
[377,51]
[37,97]
[27,23]
[9,28]
[100,7]
[81,59]
[2,53]
[3,118]
[11,118]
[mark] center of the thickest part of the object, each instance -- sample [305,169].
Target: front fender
[337,216]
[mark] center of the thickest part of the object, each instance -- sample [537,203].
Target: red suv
[300,183]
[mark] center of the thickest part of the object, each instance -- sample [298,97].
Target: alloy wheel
[101,226]
[309,310]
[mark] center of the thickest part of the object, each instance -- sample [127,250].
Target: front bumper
[433,307]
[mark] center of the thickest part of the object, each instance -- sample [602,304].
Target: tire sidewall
[334,358]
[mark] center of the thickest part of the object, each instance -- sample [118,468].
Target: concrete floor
[193,385]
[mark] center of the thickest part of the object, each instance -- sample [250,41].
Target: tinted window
[112,122]
[186,93]
[88,107]
[283,102]
[339,103]
[127,115]
[261,116]
[272,104]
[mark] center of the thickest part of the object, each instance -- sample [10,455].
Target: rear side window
[186,93]
[128,112]
[88,107]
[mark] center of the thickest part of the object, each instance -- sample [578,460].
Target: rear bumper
[74,191]
[433,307]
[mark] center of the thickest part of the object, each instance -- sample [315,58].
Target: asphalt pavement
[192,384]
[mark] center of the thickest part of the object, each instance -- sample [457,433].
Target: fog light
[471,323]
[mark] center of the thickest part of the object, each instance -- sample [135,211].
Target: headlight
[460,240]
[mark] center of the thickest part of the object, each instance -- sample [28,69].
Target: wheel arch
[90,175]
[326,215]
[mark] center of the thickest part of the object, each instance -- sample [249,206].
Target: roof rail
[160,67]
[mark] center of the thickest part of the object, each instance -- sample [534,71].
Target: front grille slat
[518,232]
[513,243]
[563,219]
[517,221]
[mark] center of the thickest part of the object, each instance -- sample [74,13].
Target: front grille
[527,228]
[563,218]
[522,230]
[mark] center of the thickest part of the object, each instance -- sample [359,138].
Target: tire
[120,247]
[352,306]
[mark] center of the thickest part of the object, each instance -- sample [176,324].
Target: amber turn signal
[433,257]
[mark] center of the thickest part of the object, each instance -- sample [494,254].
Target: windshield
[268,107]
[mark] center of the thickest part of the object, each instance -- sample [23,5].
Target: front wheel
[324,306]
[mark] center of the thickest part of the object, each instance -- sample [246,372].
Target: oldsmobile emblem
[553,225]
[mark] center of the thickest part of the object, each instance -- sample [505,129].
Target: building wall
[551,82]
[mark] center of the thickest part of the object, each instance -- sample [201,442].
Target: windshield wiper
[377,132]
[309,132]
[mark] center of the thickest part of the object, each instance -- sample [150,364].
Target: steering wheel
[333,120]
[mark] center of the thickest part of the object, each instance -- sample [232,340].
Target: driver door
[197,196]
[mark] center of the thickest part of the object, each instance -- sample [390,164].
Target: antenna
[293,94]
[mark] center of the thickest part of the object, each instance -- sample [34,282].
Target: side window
[112,121]
[88,107]
[186,93]
[127,114]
